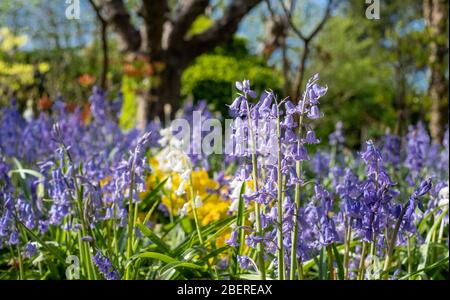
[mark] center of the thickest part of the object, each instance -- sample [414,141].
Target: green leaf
[215,253]
[156,255]
[253,276]
[213,228]
[241,220]
[181,264]
[22,173]
[162,246]
[438,264]
[322,264]
[53,250]
[425,249]
[149,197]
[338,257]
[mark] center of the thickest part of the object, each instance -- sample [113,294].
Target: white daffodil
[443,197]
[180,191]
[236,185]
[186,174]
[169,183]
[198,201]
[184,210]
[234,205]
[166,136]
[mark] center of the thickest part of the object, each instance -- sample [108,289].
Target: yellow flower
[214,207]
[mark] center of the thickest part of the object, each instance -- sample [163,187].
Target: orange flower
[86,79]
[45,103]
[86,112]
[130,70]
[71,107]
[138,66]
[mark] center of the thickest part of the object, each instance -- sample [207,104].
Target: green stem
[108,238]
[362,261]
[194,211]
[69,237]
[392,242]
[281,272]
[410,257]
[301,275]
[135,217]
[115,237]
[84,249]
[130,227]
[19,257]
[298,186]
[330,262]
[441,231]
[260,246]
[85,258]
[348,237]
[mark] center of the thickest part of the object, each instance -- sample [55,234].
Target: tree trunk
[167,92]
[165,38]
[105,55]
[296,93]
[436,18]
[400,96]
[163,98]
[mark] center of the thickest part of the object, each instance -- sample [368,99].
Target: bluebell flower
[244,87]
[105,267]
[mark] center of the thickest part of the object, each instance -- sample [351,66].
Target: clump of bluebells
[295,219]
[76,184]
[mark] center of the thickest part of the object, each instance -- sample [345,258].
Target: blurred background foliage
[377,70]
[212,76]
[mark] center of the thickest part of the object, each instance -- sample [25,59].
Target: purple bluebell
[105,267]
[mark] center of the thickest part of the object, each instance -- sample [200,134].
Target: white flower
[234,205]
[181,187]
[236,185]
[198,202]
[166,136]
[163,160]
[186,174]
[169,183]
[176,143]
[183,211]
[443,196]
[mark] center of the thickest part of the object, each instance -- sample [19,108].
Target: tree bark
[167,92]
[306,39]
[436,18]
[165,40]
[104,44]
[295,94]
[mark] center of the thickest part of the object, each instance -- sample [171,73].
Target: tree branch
[97,10]
[104,40]
[297,31]
[288,15]
[118,16]
[222,30]
[322,22]
[154,13]
[186,13]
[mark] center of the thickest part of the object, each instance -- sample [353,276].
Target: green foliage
[200,24]
[359,77]
[127,118]
[16,74]
[212,76]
